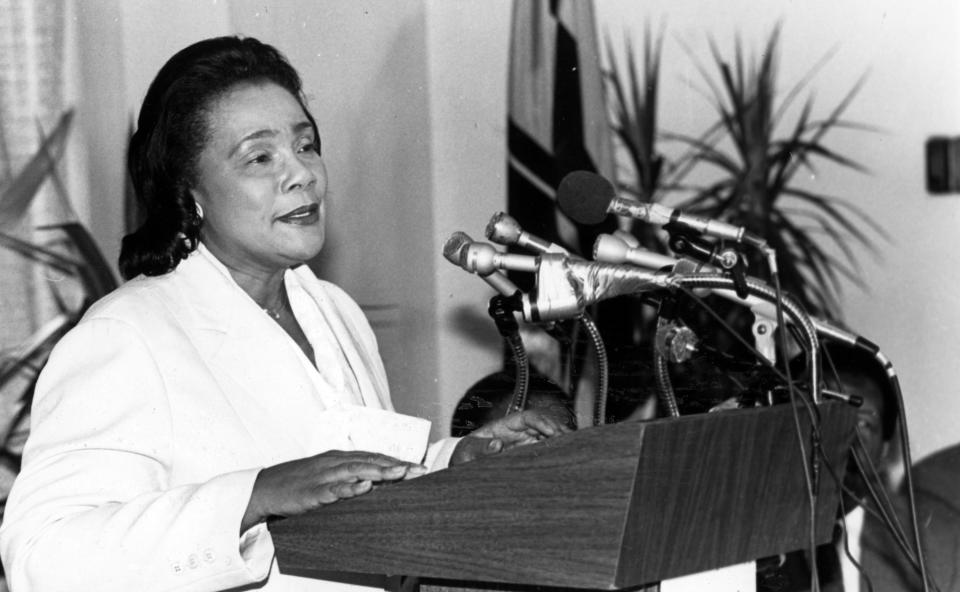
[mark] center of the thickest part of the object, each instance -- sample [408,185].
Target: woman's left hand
[525,427]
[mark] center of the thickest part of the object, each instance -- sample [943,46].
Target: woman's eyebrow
[303,125]
[270,133]
[256,135]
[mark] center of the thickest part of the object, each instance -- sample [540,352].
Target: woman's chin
[301,246]
[306,252]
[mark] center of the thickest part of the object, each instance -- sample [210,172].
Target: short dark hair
[490,398]
[840,359]
[173,128]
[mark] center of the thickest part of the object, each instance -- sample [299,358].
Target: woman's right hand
[301,485]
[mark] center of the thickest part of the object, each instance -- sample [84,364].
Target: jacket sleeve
[93,507]
[439,453]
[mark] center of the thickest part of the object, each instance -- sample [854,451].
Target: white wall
[467,46]
[410,97]
[120,46]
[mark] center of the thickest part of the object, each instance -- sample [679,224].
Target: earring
[199,211]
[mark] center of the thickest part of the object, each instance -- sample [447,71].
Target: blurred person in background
[854,372]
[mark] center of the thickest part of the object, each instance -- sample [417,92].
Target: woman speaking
[223,384]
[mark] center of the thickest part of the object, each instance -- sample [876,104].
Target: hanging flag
[557,120]
[557,123]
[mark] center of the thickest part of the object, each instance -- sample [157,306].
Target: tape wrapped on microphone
[565,286]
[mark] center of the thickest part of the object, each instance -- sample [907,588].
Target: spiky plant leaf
[81,259]
[40,254]
[33,352]
[94,272]
[758,169]
[16,197]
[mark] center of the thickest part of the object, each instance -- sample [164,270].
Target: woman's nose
[298,173]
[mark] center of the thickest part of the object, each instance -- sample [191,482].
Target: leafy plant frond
[16,197]
[806,268]
[827,124]
[35,348]
[850,125]
[5,159]
[95,273]
[809,149]
[832,207]
[682,165]
[801,237]
[40,254]
[713,90]
[819,228]
[71,251]
[795,91]
[635,109]
[760,164]
[757,147]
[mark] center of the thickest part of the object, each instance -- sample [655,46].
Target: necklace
[275,311]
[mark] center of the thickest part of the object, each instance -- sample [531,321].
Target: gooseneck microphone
[455,250]
[587,198]
[613,249]
[505,230]
[484,259]
[609,248]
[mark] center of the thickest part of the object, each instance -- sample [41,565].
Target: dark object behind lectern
[606,507]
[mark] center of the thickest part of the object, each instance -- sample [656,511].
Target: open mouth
[303,215]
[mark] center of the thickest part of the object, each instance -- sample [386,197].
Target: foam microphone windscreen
[585,196]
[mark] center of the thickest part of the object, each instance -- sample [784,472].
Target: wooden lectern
[601,508]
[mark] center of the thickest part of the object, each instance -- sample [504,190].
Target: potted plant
[757,186]
[750,157]
[65,250]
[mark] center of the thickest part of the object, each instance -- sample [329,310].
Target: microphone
[612,249]
[565,285]
[626,237]
[454,250]
[587,198]
[484,259]
[505,230]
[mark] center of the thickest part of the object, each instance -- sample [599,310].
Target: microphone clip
[685,242]
[501,310]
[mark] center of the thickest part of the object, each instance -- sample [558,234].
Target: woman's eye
[259,158]
[310,147]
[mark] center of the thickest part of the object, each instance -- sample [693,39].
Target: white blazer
[151,421]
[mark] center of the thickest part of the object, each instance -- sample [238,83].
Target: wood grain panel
[601,508]
[716,493]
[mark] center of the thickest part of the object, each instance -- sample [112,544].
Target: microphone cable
[869,474]
[811,472]
[884,508]
[907,471]
[794,395]
[873,349]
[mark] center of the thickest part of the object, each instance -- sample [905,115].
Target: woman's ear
[196,196]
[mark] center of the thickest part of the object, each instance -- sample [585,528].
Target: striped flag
[558,116]
[557,123]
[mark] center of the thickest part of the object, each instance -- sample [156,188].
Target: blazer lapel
[250,353]
[369,374]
